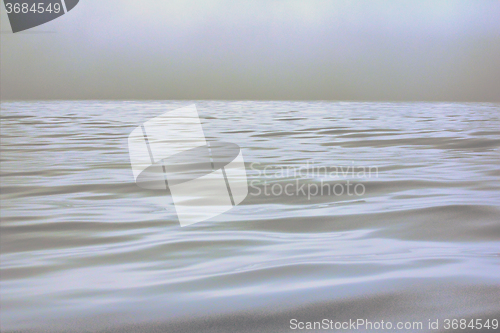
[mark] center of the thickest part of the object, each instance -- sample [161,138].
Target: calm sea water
[83,248]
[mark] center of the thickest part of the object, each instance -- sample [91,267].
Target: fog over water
[264,50]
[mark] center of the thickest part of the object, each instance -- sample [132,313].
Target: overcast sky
[287,50]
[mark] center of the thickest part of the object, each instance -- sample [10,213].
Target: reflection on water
[83,246]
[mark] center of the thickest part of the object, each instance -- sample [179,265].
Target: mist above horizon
[259,50]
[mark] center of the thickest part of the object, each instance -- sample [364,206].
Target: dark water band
[188,165]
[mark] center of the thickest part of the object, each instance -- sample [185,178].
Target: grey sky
[332,50]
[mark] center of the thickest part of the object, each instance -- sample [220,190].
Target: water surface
[83,248]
